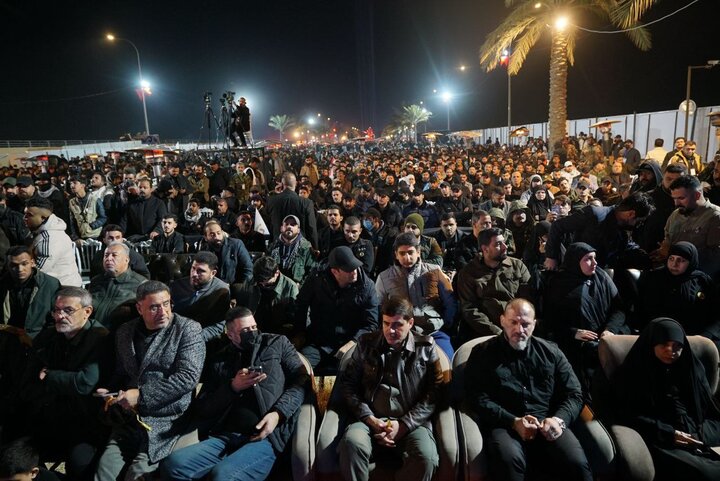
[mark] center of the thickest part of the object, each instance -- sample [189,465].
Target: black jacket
[283,390]
[143,216]
[174,244]
[289,203]
[15,229]
[503,384]
[336,315]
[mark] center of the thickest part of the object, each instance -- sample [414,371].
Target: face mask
[249,338]
[367,225]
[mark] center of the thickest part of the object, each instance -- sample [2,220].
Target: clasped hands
[386,432]
[528,426]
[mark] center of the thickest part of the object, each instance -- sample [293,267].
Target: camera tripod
[207,124]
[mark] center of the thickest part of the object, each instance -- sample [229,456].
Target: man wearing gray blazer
[159,359]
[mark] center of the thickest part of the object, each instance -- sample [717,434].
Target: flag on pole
[260,225]
[505,57]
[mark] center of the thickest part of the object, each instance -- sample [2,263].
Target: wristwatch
[560,422]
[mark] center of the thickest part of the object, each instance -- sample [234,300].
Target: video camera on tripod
[228,97]
[207,97]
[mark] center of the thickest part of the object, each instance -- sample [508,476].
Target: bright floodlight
[462,67]
[561,23]
[110,37]
[311,120]
[538,5]
[446,97]
[145,84]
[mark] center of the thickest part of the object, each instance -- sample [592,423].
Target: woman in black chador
[663,393]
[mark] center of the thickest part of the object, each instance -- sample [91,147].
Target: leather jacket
[418,368]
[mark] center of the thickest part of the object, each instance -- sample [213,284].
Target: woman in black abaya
[663,393]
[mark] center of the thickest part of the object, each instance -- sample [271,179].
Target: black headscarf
[639,379]
[532,254]
[539,208]
[575,300]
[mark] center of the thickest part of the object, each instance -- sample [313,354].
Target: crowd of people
[216,270]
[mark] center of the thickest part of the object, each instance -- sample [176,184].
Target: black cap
[343,258]
[417,192]
[44,176]
[382,193]
[24,181]
[214,161]
[444,184]
[456,187]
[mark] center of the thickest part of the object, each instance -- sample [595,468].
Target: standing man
[391,409]
[287,203]
[219,179]
[241,123]
[87,213]
[331,235]
[53,247]
[159,358]
[517,421]
[250,398]
[696,220]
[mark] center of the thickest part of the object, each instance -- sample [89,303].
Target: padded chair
[634,461]
[327,467]
[592,435]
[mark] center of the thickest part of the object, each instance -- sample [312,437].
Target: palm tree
[413,115]
[281,123]
[529,19]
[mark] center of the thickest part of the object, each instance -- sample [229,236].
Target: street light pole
[710,64]
[509,105]
[448,116]
[142,86]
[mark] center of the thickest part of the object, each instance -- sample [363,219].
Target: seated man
[448,238]
[115,287]
[53,247]
[235,264]
[522,425]
[363,249]
[20,461]
[343,305]
[270,296]
[390,410]
[151,400]
[292,251]
[249,401]
[254,241]
[201,296]
[170,241]
[55,405]
[487,284]
[430,250]
[425,286]
[114,233]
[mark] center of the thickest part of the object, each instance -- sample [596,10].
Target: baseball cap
[10,181]
[568,164]
[342,258]
[291,217]
[444,184]
[24,181]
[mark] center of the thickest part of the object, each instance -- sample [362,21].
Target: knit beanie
[416,219]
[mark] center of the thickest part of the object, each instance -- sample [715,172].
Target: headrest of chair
[613,350]
[463,353]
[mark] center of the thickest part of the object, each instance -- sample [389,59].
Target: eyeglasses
[65,311]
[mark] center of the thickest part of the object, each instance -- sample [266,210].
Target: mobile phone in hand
[255,369]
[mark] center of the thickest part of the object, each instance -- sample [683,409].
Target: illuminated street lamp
[561,23]
[144,85]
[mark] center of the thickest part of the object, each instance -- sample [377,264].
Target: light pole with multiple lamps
[710,64]
[143,84]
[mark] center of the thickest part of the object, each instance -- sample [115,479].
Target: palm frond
[501,38]
[522,47]
[630,12]
[640,37]
[572,36]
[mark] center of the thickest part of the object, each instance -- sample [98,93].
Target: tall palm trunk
[558,87]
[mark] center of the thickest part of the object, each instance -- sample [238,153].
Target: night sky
[351,60]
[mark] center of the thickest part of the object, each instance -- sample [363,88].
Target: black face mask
[248,339]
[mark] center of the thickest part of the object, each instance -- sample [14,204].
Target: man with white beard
[525,394]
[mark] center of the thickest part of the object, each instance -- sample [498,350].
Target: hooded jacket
[55,252]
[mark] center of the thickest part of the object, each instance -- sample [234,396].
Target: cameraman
[241,122]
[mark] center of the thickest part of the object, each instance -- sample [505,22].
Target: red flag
[505,58]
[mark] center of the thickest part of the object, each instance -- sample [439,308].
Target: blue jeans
[229,457]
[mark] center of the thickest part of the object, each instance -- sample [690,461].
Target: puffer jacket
[427,288]
[55,252]
[418,367]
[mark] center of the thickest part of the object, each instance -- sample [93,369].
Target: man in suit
[289,203]
[159,359]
